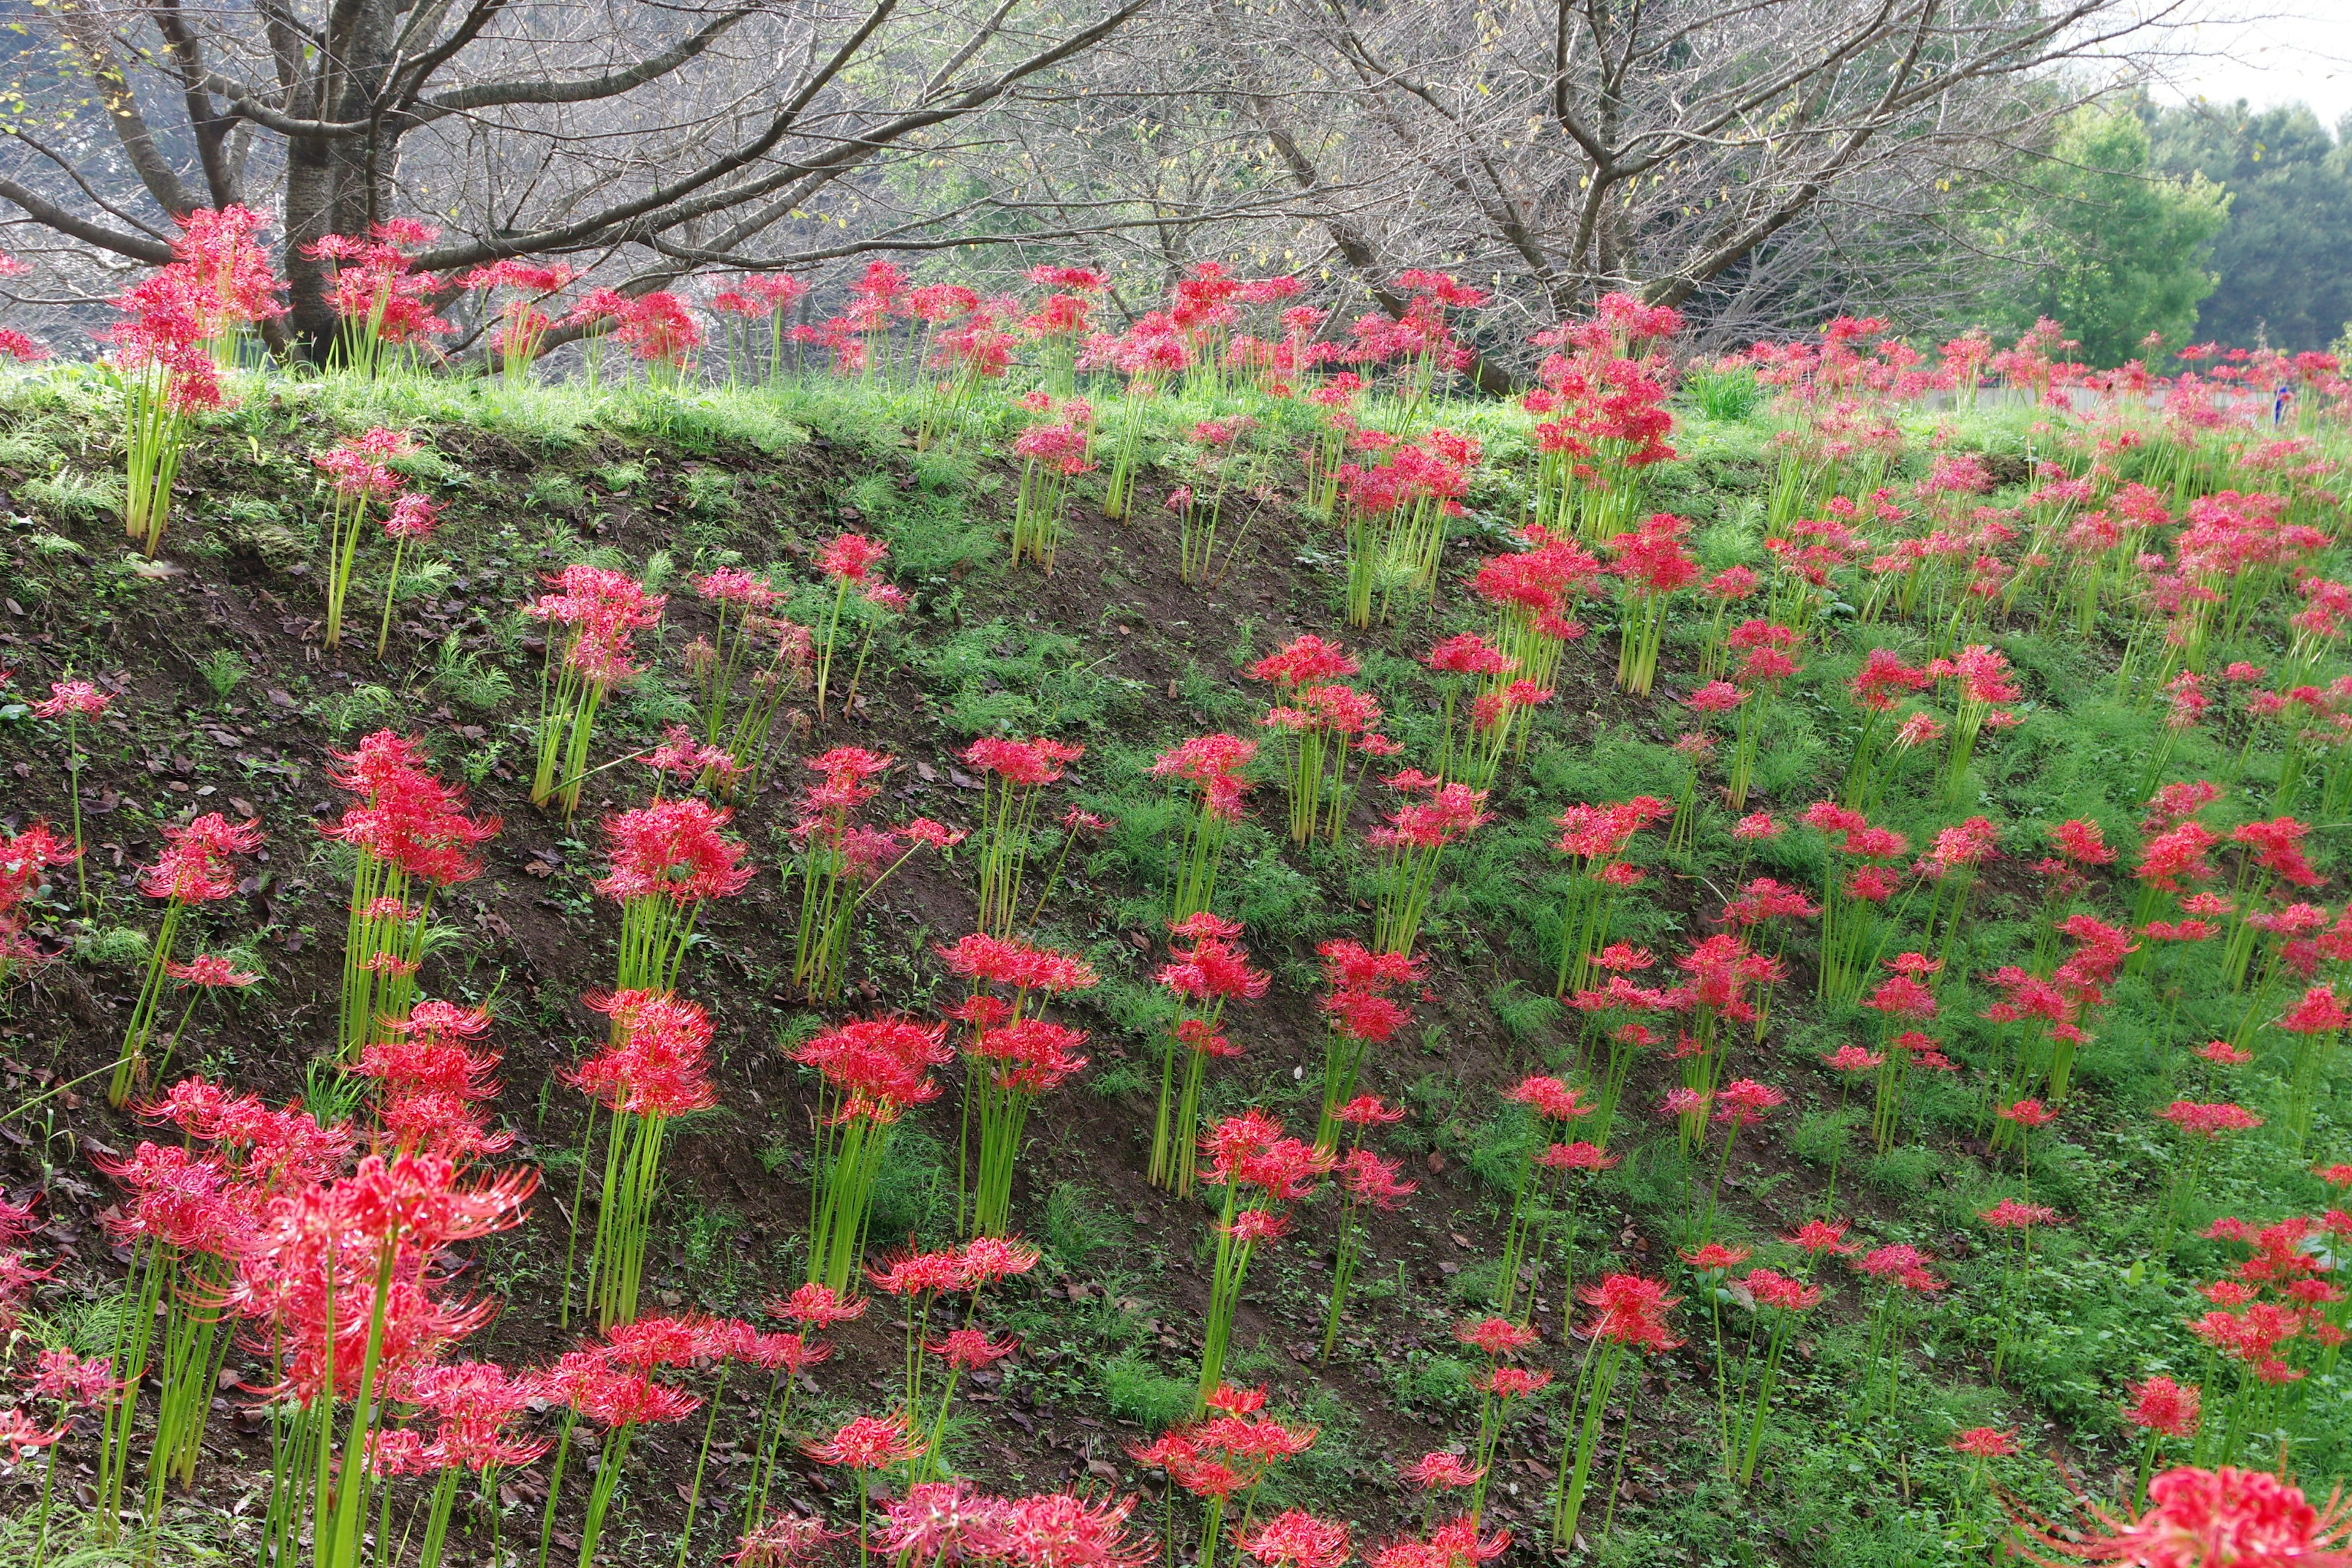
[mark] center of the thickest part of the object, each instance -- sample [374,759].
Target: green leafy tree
[2120,250]
[2281,260]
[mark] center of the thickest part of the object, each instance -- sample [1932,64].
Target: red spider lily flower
[1497,1336]
[1511,1382]
[615,1397]
[2162,1405]
[2209,1120]
[659,1066]
[16,1221]
[1743,1101]
[1822,1236]
[912,1273]
[194,867]
[1469,654]
[1853,1059]
[2206,1518]
[1009,961]
[880,1066]
[784,1540]
[685,759]
[2010,1214]
[1757,826]
[1632,1312]
[1901,997]
[1295,1539]
[1304,662]
[1368,1178]
[1550,1099]
[1215,970]
[1435,1471]
[340,1270]
[647,1343]
[1055,1529]
[817,1306]
[1986,1443]
[1684,1101]
[177,1198]
[74,1383]
[1716,1258]
[943,1522]
[965,1349]
[1369,1111]
[2027,1113]
[472,1401]
[1350,966]
[2079,840]
[1902,1264]
[21,1435]
[1577,1156]
[674,848]
[2222,1053]
[75,699]
[2320,1013]
[1456,1543]
[1249,1150]
[210,972]
[1716,697]
[989,1259]
[1252,1226]
[1235,1401]
[1029,764]
[869,1442]
[1770,1288]
[407,818]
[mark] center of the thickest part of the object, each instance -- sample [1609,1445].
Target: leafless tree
[1567,147]
[755,131]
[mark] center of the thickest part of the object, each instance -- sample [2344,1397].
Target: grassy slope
[229,703]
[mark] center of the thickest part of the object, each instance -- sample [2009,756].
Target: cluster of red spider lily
[598,611]
[412,838]
[362,477]
[751,646]
[2192,564]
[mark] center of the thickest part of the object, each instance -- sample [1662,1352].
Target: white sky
[2267,52]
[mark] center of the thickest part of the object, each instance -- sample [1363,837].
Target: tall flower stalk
[1904,1280]
[1368,1180]
[412,838]
[597,611]
[1012,1057]
[73,701]
[1013,776]
[1262,1174]
[194,868]
[164,362]
[1653,568]
[1555,1107]
[874,1070]
[654,1071]
[1410,846]
[360,468]
[842,861]
[850,563]
[753,662]
[1779,1303]
[1631,1318]
[1322,718]
[1203,980]
[1359,1013]
[1213,767]
[668,860]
